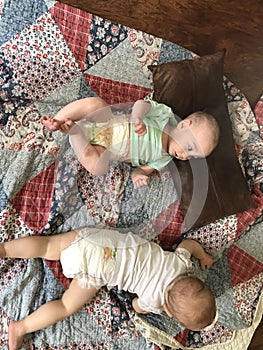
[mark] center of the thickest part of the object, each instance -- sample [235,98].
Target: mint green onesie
[116,132]
[147,149]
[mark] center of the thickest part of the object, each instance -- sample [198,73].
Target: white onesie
[103,257]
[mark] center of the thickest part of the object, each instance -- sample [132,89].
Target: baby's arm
[139,110]
[137,307]
[140,175]
[195,249]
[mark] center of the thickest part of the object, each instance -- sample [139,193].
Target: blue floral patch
[173,52]
[12,95]
[105,36]
[120,304]
[66,200]
[17,14]
[231,91]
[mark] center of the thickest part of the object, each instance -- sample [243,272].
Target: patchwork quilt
[52,54]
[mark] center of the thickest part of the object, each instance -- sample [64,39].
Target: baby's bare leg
[73,112]
[88,155]
[72,300]
[79,109]
[96,159]
[47,247]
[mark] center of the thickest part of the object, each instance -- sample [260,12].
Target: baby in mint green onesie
[148,137]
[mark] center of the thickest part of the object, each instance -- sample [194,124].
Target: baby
[95,257]
[148,139]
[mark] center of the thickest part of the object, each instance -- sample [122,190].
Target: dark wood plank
[202,26]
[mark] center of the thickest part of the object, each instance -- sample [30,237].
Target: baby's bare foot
[15,336]
[50,123]
[66,125]
[53,124]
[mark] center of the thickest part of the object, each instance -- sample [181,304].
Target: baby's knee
[97,102]
[89,152]
[88,159]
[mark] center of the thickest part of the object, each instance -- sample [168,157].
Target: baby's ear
[166,309]
[185,122]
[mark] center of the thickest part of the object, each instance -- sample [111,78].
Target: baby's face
[188,141]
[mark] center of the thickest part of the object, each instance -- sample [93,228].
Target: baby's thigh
[57,243]
[67,238]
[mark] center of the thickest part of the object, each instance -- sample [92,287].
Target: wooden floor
[203,27]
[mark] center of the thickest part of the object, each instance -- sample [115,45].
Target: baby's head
[191,302]
[194,137]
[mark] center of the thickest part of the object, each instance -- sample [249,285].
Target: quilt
[52,54]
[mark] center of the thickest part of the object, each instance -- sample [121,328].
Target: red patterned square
[242,265]
[56,268]
[33,201]
[248,217]
[114,92]
[182,337]
[74,24]
[169,224]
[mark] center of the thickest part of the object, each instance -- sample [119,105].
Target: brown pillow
[214,187]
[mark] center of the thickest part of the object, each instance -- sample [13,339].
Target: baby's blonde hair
[203,118]
[191,302]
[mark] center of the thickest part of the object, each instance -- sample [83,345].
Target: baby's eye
[189,148]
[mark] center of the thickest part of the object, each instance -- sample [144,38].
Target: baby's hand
[140,175]
[140,180]
[139,127]
[206,262]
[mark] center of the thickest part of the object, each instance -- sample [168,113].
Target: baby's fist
[206,262]
[140,127]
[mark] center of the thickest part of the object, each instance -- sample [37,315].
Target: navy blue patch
[12,94]
[172,52]
[105,36]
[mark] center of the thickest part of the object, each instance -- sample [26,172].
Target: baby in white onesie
[95,257]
